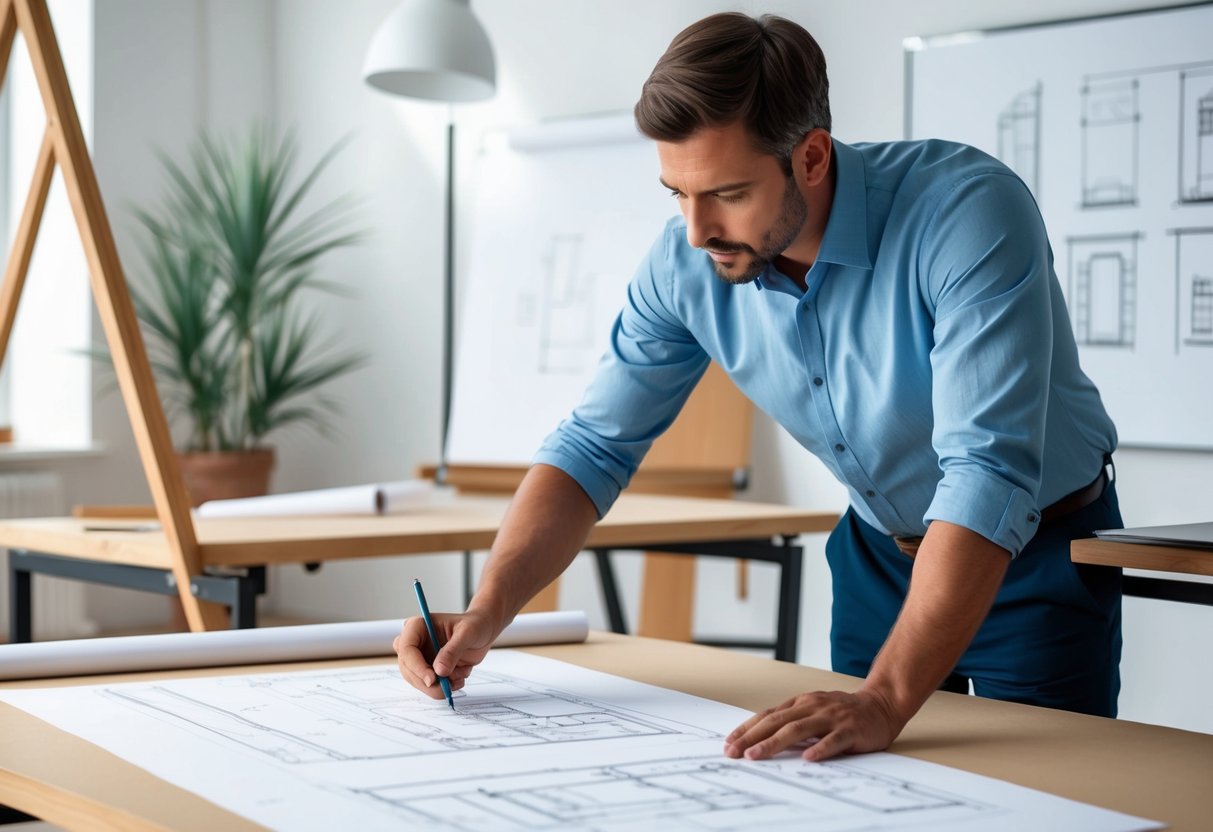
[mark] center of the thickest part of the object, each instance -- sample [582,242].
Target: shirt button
[840,448]
[870,493]
[1032,518]
[818,381]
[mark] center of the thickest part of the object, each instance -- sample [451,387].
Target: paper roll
[377,498]
[308,642]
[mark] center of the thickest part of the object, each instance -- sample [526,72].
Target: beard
[792,214]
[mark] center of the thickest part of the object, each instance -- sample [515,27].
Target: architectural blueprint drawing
[1111,128]
[1103,289]
[1019,136]
[534,744]
[687,793]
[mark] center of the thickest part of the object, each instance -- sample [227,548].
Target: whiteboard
[563,214]
[1110,123]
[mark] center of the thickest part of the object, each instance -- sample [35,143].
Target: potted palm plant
[226,256]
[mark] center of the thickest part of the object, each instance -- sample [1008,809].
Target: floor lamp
[435,50]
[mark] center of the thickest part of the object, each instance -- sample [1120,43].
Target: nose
[701,222]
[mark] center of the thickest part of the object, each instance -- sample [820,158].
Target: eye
[675,194]
[729,199]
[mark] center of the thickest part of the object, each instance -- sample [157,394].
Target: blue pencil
[429,625]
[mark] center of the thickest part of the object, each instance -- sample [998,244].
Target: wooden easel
[63,145]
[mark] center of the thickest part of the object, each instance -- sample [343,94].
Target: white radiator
[58,604]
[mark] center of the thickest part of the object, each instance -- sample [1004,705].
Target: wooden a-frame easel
[63,145]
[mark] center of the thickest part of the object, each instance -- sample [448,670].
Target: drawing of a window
[1019,137]
[1196,135]
[1103,290]
[1193,288]
[1202,307]
[1110,126]
[566,334]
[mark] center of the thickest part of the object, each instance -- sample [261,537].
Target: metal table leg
[783,551]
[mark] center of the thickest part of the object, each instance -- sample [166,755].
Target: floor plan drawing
[534,744]
[359,715]
[1019,136]
[1103,289]
[704,793]
[1111,128]
[566,334]
[1196,133]
[1193,288]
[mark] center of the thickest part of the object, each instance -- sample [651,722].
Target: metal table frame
[239,588]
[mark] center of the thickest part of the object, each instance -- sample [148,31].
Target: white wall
[164,67]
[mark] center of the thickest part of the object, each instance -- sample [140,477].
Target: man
[894,306]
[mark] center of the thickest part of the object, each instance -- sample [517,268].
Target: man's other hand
[830,723]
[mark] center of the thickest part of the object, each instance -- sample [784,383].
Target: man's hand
[835,723]
[466,640]
[957,573]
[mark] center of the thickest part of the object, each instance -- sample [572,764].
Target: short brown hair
[767,72]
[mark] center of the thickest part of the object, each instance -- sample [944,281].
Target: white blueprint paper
[535,744]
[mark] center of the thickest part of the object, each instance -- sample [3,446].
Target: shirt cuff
[601,489]
[987,504]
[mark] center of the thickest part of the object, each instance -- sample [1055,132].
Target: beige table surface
[465,522]
[1149,771]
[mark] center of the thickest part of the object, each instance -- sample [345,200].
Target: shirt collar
[846,236]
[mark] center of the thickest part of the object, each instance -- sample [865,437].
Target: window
[1202,306]
[49,377]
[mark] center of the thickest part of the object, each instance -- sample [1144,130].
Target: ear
[811,157]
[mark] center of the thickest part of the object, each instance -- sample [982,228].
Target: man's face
[739,205]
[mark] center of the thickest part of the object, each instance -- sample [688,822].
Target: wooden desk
[1173,559]
[235,552]
[1153,772]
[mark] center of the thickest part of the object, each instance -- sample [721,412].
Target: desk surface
[463,523]
[1158,773]
[1142,556]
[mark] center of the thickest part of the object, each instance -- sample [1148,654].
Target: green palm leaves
[226,257]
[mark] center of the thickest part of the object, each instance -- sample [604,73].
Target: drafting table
[234,553]
[1149,771]
[1173,559]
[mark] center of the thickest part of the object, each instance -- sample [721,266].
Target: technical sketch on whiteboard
[562,216]
[1196,134]
[1125,169]
[691,792]
[1193,287]
[566,336]
[1111,128]
[1103,289]
[1019,136]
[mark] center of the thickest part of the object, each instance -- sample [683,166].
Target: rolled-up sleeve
[987,263]
[649,369]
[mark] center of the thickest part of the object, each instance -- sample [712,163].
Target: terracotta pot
[222,475]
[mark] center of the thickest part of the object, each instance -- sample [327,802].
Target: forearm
[543,530]
[956,575]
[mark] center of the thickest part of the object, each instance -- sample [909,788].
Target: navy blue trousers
[1052,637]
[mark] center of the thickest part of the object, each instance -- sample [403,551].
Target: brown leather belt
[1067,505]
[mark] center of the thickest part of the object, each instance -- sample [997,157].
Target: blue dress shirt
[930,364]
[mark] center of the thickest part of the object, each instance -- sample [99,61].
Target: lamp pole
[448,300]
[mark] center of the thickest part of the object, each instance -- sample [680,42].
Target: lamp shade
[432,49]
